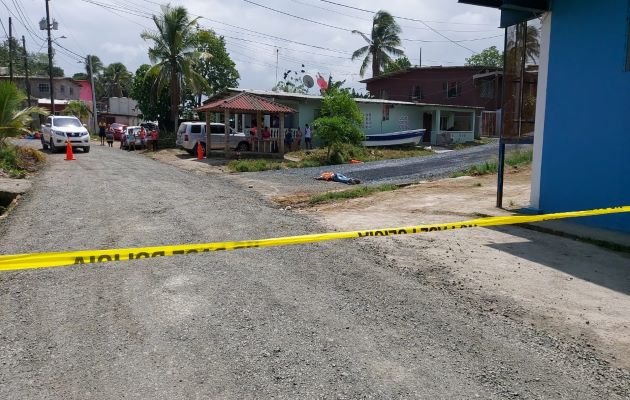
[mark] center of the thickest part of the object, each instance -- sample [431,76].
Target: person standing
[308,141]
[297,141]
[101,133]
[110,138]
[154,135]
[143,137]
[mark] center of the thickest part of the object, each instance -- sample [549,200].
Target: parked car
[117,129]
[192,134]
[58,130]
[132,135]
[149,126]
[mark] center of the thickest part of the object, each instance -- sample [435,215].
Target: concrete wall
[584,159]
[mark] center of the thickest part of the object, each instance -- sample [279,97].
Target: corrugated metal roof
[246,102]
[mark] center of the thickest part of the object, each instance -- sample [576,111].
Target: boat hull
[394,138]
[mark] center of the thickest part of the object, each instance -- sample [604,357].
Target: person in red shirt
[154,139]
[143,137]
[266,133]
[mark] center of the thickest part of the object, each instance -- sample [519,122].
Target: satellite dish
[308,81]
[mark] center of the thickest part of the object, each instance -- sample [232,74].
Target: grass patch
[17,162]
[476,142]
[514,159]
[253,165]
[360,191]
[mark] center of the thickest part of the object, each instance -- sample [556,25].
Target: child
[109,135]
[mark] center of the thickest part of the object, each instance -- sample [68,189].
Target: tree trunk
[175,100]
[376,70]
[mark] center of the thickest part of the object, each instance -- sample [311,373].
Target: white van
[190,134]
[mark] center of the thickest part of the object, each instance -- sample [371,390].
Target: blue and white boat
[394,138]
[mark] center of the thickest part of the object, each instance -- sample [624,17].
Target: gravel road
[330,320]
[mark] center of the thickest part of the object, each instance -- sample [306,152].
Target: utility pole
[420,60]
[94,112]
[50,62]
[10,50]
[27,83]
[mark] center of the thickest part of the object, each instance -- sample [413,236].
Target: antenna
[308,81]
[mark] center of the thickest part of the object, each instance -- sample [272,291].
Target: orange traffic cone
[199,151]
[69,155]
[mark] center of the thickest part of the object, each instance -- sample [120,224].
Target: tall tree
[490,57]
[219,71]
[97,66]
[532,43]
[398,64]
[116,80]
[152,101]
[174,54]
[383,41]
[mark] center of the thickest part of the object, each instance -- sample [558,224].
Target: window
[62,89]
[43,88]
[195,128]
[384,94]
[70,90]
[385,112]
[487,89]
[367,120]
[452,89]
[403,122]
[416,93]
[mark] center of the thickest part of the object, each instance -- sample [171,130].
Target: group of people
[145,140]
[291,142]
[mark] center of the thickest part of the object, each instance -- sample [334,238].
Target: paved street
[330,320]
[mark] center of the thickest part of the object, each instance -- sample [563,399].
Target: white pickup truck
[191,134]
[58,130]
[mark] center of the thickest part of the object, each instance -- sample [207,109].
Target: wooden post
[208,135]
[259,127]
[281,135]
[226,127]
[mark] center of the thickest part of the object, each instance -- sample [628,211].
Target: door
[427,123]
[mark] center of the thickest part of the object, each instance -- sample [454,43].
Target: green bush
[18,161]
[253,165]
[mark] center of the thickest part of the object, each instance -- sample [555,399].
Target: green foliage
[13,120]
[292,82]
[217,68]
[490,57]
[360,191]
[18,161]
[383,41]
[37,62]
[339,121]
[514,159]
[398,64]
[174,55]
[77,108]
[116,80]
[152,101]
[253,165]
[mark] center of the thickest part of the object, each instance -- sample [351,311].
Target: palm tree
[116,80]
[97,66]
[173,55]
[77,108]
[13,120]
[532,43]
[382,43]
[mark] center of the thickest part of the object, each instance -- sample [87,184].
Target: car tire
[44,144]
[86,149]
[243,146]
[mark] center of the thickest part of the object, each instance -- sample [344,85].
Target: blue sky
[111,29]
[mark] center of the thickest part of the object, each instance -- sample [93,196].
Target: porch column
[259,127]
[472,125]
[226,129]
[208,135]
[236,122]
[435,132]
[281,135]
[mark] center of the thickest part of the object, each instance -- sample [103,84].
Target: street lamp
[45,24]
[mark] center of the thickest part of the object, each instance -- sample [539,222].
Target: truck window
[195,129]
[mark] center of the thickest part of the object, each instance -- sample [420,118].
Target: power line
[405,18]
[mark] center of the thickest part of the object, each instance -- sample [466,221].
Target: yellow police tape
[64,258]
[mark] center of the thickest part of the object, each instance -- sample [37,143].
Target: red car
[117,129]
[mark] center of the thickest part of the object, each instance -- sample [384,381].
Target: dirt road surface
[332,320]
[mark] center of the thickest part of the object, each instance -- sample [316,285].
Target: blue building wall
[586,149]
